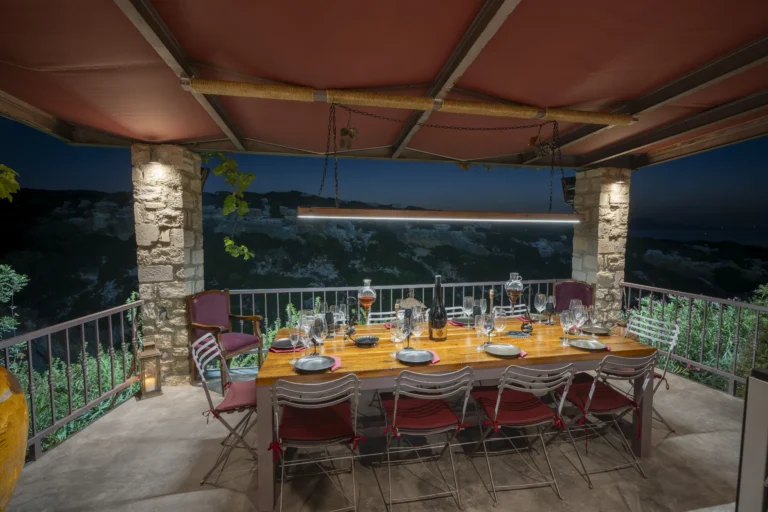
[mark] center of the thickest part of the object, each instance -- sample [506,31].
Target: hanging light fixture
[434,215]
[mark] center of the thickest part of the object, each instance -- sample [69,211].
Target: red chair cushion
[516,408]
[605,398]
[235,341]
[239,396]
[210,308]
[567,290]
[419,413]
[323,424]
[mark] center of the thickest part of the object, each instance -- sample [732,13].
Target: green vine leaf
[235,250]
[8,183]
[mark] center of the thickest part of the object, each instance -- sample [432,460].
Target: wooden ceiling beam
[728,65]
[485,25]
[152,27]
[733,109]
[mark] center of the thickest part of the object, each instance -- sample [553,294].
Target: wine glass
[486,327]
[580,316]
[566,323]
[591,314]
[396,330]
[483,305]
[550,308]
[479,325]
[294,334]
[417,325]
[574,303]
[319,329]
[499,321]
[540,303]
[468,306]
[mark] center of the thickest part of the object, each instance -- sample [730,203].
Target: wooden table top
[458,351]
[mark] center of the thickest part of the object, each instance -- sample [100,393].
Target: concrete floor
[148,456]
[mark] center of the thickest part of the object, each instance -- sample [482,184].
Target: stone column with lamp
[599,241]
[168,210]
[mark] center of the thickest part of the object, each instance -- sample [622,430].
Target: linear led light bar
[435,215]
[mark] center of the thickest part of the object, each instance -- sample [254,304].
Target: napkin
[336,364]
[522,319]
[387,325]
[455,323]
[287,350]
[435,357]
[607,348]
[523,353]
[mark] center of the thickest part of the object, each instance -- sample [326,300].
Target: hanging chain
[551,148]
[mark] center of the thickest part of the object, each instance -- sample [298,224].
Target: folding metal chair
[241,397]
[454,311]
[516,404]
[516,310]
[662,335]
[603,404]
[380,317]
[316,415]
[419,407]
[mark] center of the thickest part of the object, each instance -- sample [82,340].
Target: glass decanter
[366,295]
[514,287]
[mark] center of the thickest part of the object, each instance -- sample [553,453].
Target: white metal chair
[516,404]
[454,311]
[380,317]
[602,404]
[241,397]
[662,335]
[316,415]
[516,310]
[419,407]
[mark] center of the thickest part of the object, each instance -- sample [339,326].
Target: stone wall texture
[168,207]
[602,197]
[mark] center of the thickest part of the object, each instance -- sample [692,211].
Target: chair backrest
[516,310]
[567,290]
[318,395]
[536,382]
[658,333]
[210,308]
[380,317]
[434,386]
[204,350]
[623,368]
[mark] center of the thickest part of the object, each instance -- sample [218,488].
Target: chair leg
[455,478]
[488,463]
[389,474]
[581,461]
[551,471]
[354,483]
[629,448]
[661,418]
[281,465]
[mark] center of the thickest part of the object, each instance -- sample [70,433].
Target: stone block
[186,273]
[589,262]
[177,237]
[155,273]
[140,154]
[163,341]
[605,280]
[195,185]
[189,238]
[147,292]
[591,277]
[197,256]
[154,206]
[172,290]
[579,275]
[165,236]
[146,234]
[576,264]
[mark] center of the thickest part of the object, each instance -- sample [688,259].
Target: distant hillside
[78,248]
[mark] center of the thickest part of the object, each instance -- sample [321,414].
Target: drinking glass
[468,306]
[540,303]
[486,324]
[479,325]
[574,303]
[566,323]
[294,334]
[417,325]
[550,307]
[499,321]
[396,330]
[580,316]
[319,329]
[592,315]
[483,305]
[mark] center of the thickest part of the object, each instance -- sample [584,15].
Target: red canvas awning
[107,72]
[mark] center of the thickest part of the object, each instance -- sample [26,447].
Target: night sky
[721,189]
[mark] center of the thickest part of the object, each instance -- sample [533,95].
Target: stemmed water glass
[483,303]
[566,323]
[468,306]
[305,328]
[486,327]
[591,315]
[550,308]
[499,321]
[417,325]
[540,303]
[319,330]
[580,316]
[574,303]
[294,334]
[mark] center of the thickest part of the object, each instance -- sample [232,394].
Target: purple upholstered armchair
[567,290]
[209,311]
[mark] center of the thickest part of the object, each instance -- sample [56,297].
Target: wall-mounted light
[435,216]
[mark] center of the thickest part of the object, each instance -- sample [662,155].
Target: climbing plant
[8,183]
[234,202]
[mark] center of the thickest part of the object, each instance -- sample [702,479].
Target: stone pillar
[602,197]
[168,209]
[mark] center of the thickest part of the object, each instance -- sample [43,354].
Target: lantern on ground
[150,371]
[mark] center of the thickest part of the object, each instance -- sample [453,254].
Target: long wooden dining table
[377,368]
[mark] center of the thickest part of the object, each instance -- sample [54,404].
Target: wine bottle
[438,318]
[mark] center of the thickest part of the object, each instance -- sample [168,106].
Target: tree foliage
[234,202]
[8,183]
[11,283]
